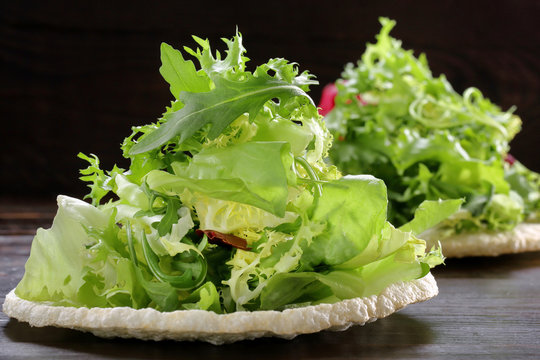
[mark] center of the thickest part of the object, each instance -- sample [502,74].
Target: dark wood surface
[77,75]
[488,308]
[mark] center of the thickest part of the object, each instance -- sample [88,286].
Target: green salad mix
[393,119]
[228,204]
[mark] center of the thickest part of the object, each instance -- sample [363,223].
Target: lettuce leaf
[354,209]
[345,249]
[79,261]
[254,173]
[430,213]
[310,288]
[395,120]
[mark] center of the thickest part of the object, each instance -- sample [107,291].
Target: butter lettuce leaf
[354,209]
[430,213]
[253,173]
[79,261]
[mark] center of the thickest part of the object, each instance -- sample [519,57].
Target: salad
[228,204]
[393,119]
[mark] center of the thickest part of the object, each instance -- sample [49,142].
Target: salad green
[228,204]
[395,120]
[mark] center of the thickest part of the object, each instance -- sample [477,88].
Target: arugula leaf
[162,293]
[218,108]
[170,218]
[220,92]
[186,281]
[181,74]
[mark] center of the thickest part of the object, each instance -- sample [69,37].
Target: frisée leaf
[397,121]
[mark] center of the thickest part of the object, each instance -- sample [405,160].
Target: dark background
[75,77]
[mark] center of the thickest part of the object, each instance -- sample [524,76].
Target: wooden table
[487,308]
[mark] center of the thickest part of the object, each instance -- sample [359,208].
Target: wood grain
[487,308]
[76,77]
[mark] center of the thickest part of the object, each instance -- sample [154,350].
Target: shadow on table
[397,334]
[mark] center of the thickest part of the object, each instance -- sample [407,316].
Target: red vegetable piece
[510,159]
[215,237]
[362,101]
[327,99]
